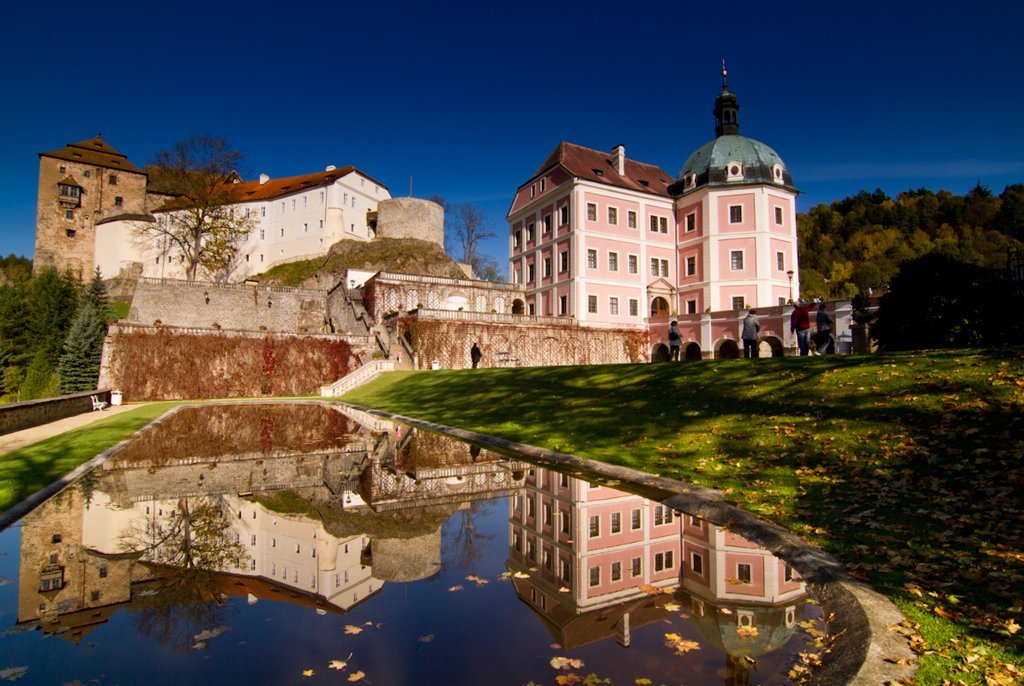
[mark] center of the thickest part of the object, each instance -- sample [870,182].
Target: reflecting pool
[259,544]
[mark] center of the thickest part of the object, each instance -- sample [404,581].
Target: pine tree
[51,306]
[79,366]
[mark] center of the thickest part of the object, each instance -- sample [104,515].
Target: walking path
[19,439]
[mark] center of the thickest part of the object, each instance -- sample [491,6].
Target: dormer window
[68,191]
[777,173]
[690,181]
[734,172]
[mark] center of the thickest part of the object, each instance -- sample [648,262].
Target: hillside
[859,242]
[405,255]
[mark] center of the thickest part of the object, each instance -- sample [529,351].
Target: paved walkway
[19,439]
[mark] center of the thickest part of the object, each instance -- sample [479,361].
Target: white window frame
[691,264]
[563,261]
[733,262]
[591,258]
[691,222]
[739,214]
[591,211]
[631,219]
[780,260]
[613,261]
[592,304]
[634,307]
[612,213]
[779,215]
[632,263]
[613,305]
[563,215]
[691,306]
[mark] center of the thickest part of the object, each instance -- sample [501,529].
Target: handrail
[393,276]
[357,378]
[157,281]
[496,317]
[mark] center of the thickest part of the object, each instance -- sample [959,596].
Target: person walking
[751,325]
[800,324]
[675,340]
[475,355]
[825,324]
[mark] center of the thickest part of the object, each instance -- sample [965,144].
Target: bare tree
[200,223]
[465,228]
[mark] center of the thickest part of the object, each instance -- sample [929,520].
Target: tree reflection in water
[186,551]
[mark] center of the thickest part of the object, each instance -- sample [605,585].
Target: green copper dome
[715,164]
[730,159]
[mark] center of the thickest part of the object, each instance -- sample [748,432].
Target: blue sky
[469,98]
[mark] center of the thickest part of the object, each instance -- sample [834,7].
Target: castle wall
[154,363]
[410,218]
[516,341]
[231,306]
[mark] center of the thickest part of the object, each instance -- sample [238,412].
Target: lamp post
[790,275]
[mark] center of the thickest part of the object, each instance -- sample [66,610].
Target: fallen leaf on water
[566,663]
[680,644]
[307,672]
[673,607]
[568,679]
[746,631]
[337,664]
[454,588]
[356,676]
[521,575]
[350,629]
[643,681]
[426,639]
[13,673]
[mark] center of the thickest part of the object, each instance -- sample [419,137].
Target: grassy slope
[908,467]
[27,470]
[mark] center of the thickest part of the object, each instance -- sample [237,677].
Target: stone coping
[865,652]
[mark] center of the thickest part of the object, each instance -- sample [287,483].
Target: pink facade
[630,248]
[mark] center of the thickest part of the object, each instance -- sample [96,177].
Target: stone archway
[518,307]
[727,349]
[770,346]
[691,351]
[660,353]
[659,307]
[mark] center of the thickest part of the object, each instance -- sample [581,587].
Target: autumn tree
[200,224]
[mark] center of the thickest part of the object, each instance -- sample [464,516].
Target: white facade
[299,220]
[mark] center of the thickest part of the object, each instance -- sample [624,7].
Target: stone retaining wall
[25,415]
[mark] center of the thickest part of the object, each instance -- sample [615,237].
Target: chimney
[263,179]
[330,167]
[619,153]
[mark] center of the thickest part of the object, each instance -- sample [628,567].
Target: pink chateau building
[612,241]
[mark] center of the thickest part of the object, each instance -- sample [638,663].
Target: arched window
[659,307]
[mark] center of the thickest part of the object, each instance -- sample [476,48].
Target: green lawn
[27,470]
[908,467]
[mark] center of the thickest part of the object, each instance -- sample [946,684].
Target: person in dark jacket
[751,325]
[475,355]
[824,323]
[675,340]
[800,324]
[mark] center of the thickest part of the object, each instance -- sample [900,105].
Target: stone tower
[80,185]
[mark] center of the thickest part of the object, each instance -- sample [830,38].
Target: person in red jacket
[800,323]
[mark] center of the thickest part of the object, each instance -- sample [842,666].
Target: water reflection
[594,562]
[315,508]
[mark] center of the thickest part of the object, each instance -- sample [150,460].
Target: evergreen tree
[79,366]
[51,305]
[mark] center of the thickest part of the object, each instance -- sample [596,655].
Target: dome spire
[726,109]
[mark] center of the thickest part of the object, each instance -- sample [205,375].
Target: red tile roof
[94,151]
[599,167]
[253,191]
